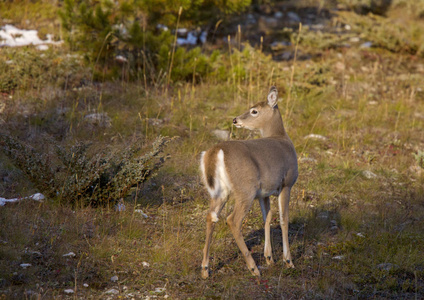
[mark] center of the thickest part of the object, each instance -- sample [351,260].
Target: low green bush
[138,31]
[75,176]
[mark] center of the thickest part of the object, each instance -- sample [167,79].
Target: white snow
[191,37]
[37,197]
[10,36]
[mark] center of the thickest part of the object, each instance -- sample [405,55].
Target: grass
[344,227]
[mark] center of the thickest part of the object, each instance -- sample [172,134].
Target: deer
[249,170]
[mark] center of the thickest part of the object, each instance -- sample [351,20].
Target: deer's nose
[235,121]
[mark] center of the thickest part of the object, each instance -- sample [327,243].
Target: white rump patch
[222,186]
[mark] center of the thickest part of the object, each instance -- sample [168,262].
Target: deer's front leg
[283,205]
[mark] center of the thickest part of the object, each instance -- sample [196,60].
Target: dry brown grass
[351,236]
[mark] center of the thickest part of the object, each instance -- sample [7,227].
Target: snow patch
[37,197]
[10,36]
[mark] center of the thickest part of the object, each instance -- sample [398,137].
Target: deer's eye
[254,112]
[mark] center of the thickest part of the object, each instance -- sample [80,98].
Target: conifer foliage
[142,33]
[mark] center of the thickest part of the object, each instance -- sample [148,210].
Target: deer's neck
[275,126]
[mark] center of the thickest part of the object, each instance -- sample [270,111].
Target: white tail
[248,170]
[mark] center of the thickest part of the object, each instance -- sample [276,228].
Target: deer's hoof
[269,260]
[289,264]
[205,272]
[255,272]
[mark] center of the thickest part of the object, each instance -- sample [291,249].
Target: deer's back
[264,165]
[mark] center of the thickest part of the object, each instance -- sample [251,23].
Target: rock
[155,122]
[36,254]
[318,26]
[250,19]
[160,290]
[286,55]
[278,14]
[324,215]
[145,264]
[308,160]
[387,266]
[278,46]
[334,228]
[266,24]
[366,45]
[141,213]
[293,16]
[114,278]
[121,59]
[98,119]
[315,137]
[24,266]
[112,291]
[368,174]
[221,134]
[70,254]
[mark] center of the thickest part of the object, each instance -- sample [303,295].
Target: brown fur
[210,166]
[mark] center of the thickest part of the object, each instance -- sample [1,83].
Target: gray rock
[308,160]
[155,121]
[293,16]
[324,215]
[315,137]
[278,14]
[112,291]
[278,46]
[366,45]
[221,134]
[387,266]
[98,119]
[368,174]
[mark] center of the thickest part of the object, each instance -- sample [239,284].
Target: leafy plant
[103,30]
[419,158]
[76,176]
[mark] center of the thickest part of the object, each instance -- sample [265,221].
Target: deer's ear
[272,97]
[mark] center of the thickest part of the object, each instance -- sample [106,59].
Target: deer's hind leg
[267,216]
[283,205]
[212,217]
[234,221]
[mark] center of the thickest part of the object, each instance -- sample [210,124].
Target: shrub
[104,29]
[75,176]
